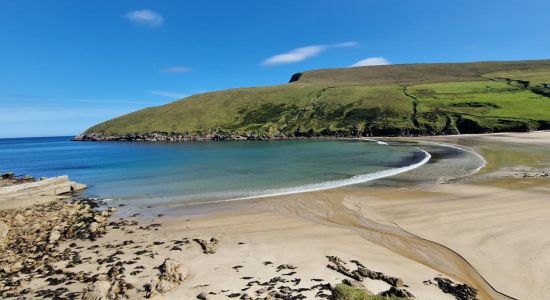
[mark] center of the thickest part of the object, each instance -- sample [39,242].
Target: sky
[67,65]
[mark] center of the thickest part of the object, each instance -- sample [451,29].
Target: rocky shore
[79,248]
[227,136]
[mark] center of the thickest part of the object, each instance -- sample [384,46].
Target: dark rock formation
[459,291]
[295,77]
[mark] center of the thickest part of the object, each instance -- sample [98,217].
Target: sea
[209,171]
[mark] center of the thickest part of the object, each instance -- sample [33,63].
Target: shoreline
[172,137]
[411,232]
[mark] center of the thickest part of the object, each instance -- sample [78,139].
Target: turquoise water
[206,170]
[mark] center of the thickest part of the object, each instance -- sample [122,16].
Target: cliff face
[395,100]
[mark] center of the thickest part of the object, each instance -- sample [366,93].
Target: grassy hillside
[378,100]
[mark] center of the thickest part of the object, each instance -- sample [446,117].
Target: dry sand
[488,230]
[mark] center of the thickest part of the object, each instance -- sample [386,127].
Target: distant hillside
[414,99]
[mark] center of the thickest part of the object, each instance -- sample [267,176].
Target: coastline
[218,135]
[388,228]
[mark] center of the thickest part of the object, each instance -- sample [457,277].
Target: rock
[19,220]
[285,267]
[99,290]
[9,175]
[93,227]
[4,230]
[338,266]
[29,240]
[396,292]
[16,267]
[202,296]
[164,285]
[459,291]
[354,284]
[54,236]
[393,281]
[169,277]
[208,247]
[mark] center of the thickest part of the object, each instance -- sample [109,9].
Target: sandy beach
[487,230]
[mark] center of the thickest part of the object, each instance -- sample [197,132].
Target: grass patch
[345,292]
[450,98]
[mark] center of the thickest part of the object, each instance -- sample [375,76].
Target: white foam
[357,179]
[376,141]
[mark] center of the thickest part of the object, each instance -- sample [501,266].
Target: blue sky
[66,65]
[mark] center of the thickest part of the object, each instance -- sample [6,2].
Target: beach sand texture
[488,230]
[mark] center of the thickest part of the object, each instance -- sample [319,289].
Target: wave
[375,141]
[357,179]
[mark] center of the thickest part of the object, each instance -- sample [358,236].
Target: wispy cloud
[303,53]
[145,17]
[170,94]
[346,45]
[176,69]
[371,61]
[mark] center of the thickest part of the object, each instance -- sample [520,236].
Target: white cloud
[176,69]
[145,17]
[295,55]
[346,45]
[371,61]
[169,94]
[303,53]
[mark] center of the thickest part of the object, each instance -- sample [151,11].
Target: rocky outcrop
[220,135]
[30,238]
[110,286]
[362,272]
[176,137]
[99,290]
[393,281]
[295,77]
[170,276]
[459,291]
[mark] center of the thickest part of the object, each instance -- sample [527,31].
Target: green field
[416,99]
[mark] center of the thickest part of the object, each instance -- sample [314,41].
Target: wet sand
[488,230]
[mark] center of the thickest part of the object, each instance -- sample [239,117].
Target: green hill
[414,99]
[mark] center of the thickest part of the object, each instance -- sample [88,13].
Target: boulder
[208,247]
[99,290]
[170,276]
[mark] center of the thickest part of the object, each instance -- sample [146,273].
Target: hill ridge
[395,100]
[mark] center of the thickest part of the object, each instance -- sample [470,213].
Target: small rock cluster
[29,238]
[459,291]
[110,286]
[361,272]
[10,178]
